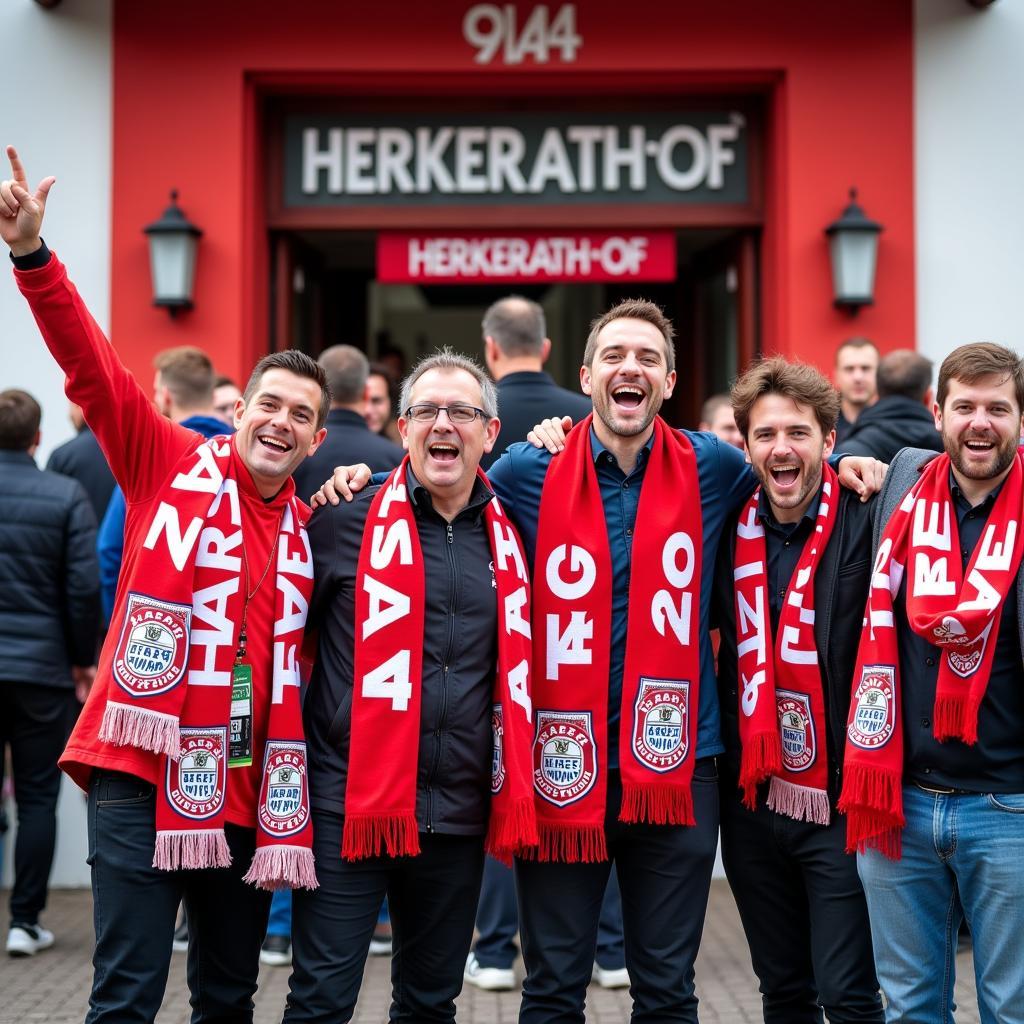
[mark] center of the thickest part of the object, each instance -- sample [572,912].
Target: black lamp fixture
[853,247]
[172,257]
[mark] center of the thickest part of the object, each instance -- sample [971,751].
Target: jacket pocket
[341,720]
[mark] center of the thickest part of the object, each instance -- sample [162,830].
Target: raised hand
[21,211]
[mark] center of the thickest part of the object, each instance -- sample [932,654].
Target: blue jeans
[280,922]
[963,854]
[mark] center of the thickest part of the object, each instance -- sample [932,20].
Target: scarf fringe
[663,803]
[569,844]
[800,802]
[761,757]
[125,725]
[872,801]
[956,718]
[191,849]
[372,835]
[512,831]
[282,867]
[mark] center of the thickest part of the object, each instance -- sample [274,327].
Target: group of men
[521,663]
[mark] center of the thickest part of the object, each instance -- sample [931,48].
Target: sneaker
[380,944]
[610,977]
[493,979]
[27,939]
[276,951]
[180,942]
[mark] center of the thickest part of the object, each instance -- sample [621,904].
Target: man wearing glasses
[418,710]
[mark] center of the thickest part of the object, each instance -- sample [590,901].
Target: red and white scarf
[955,611]
[572,630]
[380,795]
[781,700]
[170,686]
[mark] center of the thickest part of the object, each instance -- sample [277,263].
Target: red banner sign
[529,256]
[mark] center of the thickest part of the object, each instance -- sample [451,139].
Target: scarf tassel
[128,726]
[190,849]
[513,831]
[571,844]
[956,718]
[282,867]
[762,757]
[371,835]
[657,804]
[872,801]
[799,802]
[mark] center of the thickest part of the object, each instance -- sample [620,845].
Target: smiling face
[786,447]
[276,429]
[980,425]
[445,455]
[628,378]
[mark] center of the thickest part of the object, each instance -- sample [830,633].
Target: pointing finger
[17,169]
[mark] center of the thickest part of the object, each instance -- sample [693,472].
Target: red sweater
[142,447]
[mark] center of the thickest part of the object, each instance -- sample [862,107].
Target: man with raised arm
[190,745]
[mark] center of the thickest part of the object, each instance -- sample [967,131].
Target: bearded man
[190,745]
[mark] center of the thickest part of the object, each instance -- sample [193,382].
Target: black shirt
[783,543]
[995,764]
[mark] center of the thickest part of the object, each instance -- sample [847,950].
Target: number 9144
[492,28]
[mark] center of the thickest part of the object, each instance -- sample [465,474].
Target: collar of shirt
[424,501]
[804,524]
[964,507]
[604,458]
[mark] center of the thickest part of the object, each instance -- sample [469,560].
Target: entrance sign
[525,257]
[521,159]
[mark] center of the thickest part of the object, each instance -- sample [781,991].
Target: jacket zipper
[445,666]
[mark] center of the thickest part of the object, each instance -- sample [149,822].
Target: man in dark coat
[82,459]
[349,438]
[516,347]
[902,416]
[49,613]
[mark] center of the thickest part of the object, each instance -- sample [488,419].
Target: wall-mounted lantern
[172,257]
[853,247]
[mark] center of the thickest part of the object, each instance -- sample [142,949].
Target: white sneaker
[610,977]
[28,939]
[493,979]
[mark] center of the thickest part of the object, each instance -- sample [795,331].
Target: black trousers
[134,907]
[432,900]
[664,876]
[34,724]
[803,912]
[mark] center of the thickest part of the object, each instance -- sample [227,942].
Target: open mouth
[274,444]
[442,451]
[628,396]
[979,445]
[785,476]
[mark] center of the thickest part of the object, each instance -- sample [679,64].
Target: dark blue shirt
[725,480]
[995,764]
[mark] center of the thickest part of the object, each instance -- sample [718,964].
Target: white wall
[969,153]
[58,114]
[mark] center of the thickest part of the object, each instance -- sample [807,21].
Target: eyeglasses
[427,413]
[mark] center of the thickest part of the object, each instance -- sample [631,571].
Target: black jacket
[459,660]
[524,399]
[840,594]
[890,424]
[49,579]
[349,440]
[83,460]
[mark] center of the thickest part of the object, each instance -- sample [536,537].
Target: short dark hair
[633,309]
[221,381]
[517,325]
[302,366]
[347,369]
[969,363]
[905,373]
[712,405]
[856,343]
[798,382]
[447,360]
[187,373]
[20,416]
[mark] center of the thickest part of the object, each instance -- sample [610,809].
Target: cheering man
[419,713]
[934,772]
[789,589]
[190,744]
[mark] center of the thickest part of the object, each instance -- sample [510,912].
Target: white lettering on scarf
[167,524]
[992,557]
[663,606]
[750,631]
[390,681]
[569,646]
[294,607]
[210,605]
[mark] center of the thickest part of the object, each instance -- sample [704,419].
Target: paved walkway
[53,987]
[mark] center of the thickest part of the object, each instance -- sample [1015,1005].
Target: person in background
[854,375]
[349,437]
[49,589]
[377,410]
[716,416]
[82,459]
[225,395]
[902,417]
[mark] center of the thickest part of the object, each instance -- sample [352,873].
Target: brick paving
[53,987]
